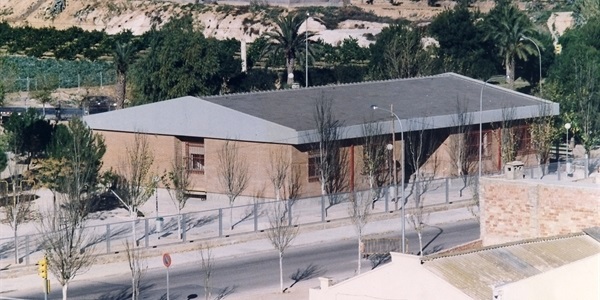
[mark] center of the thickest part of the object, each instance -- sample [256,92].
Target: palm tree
[286,40]
[122,58]
[505,26]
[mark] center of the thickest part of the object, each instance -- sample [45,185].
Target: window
[195,157]
[314,161]
[473,145]
[524,144]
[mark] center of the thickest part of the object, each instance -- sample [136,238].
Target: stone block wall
[514,210]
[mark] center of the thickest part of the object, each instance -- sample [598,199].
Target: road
[253,272]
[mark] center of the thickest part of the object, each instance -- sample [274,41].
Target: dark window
[313,166]
[473,145]
[195,157]
[524,143]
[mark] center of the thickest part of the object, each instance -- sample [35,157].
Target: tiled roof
[476,273]
[287,116]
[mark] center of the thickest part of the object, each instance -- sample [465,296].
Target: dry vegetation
[138,16]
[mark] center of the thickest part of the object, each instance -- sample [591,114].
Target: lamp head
[568,126]
[374,107]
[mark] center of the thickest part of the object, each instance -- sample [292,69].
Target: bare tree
[474,207]
[66,241]
[17,196]
[135,183]
[233,174]
[281,234]
[206,257]
[359,210]
[422,160]
[543,135]
[421,144]
[332,162]
[137,266]
[418,219]
[510,135]
[461,154]
[278,170]
[286,179]
[374,159]
[293,188]
[178,182]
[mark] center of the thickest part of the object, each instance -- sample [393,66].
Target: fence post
[107,238]
[447,183]
[220,222]
[183,231]
[146,235]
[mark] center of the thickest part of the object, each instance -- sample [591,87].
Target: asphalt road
[252,272]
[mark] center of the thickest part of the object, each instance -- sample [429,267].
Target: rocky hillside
[219,20]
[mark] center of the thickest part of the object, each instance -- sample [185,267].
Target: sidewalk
[247,244]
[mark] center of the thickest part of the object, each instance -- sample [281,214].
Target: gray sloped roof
[476,273]
[256,116]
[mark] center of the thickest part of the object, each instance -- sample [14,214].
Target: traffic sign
[167,260]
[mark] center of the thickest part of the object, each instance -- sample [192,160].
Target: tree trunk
[179,235]
[420,235]
[133,214]
[231,216]
[359,255]
[510,71]
[120,90]
[64,290]
[290,70]
[133,289]
[281,271]
[16,241]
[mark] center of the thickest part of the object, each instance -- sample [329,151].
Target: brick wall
[513,210]
[163,148]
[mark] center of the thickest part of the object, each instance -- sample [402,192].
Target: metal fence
[97,79]
[243,219]
[228,221]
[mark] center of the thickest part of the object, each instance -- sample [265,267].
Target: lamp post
[480,125]
[540,59]
[306,49]
[403,216]
[568,167]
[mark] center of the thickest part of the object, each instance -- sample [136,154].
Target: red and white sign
[167,260]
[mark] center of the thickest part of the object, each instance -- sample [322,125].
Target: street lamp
[567,127]
[480,125]
[391,110]
[540,57]
[306,49]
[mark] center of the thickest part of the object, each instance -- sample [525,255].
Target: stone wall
[520,209]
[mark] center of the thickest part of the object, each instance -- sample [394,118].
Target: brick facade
[520,209]
[166,148]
